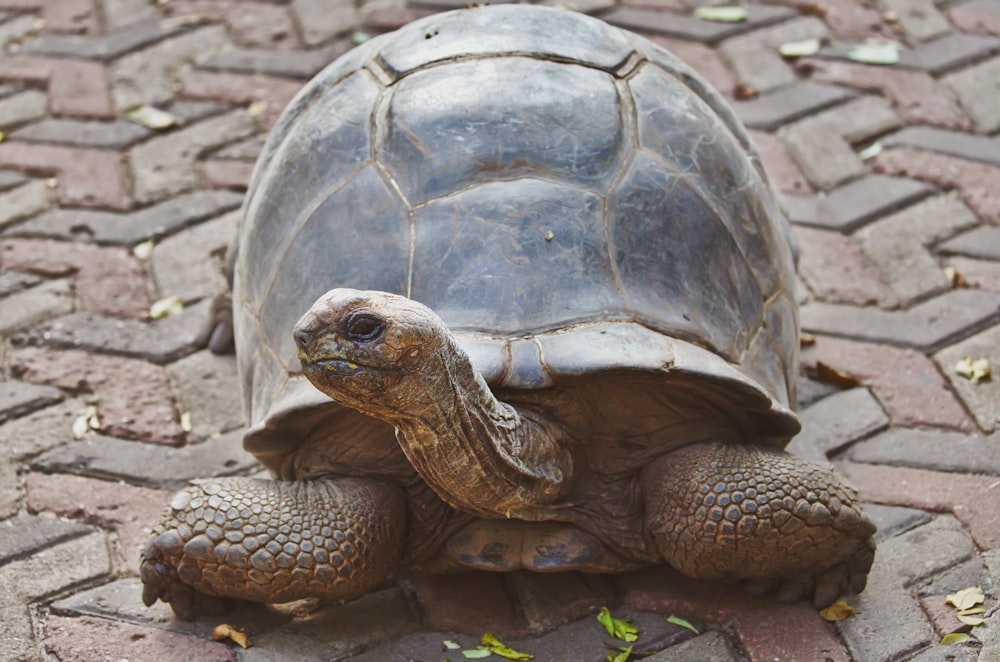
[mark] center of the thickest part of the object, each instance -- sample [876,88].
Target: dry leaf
[493,645]
[676,620]
[831,375]
[838,611]
[143,251]
[975,370]
[52,182]
[871,151]
[151,118]
[967,598]
[875,53]
[721,14]
[449,645]
[619,628]
[86,421]
[224,631]
[186,421]
[166,307]
[805,340]
[257,108]
[804,48]
[955,277]
[954,638]
[743,92]
[970,620]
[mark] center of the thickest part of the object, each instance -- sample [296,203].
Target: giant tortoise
[563,333]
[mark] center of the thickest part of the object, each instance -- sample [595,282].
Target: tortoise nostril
[303,336]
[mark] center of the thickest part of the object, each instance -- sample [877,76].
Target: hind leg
[717,510]
[272,541]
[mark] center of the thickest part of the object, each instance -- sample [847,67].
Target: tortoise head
[369,350]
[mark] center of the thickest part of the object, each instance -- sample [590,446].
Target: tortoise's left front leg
[720,510]
[273,541]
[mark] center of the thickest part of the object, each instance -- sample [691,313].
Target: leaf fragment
[476,653]
[830,375]
[970,620]
[224,631]
[803,48]
[677,620]
[619,628]
[967,598]
[3,136]
[186,421]
[166,307]
[975,370]
[881,52]
[871,151]
[954,638]
[837,611]
[257,108]
[493,645]
[450,645]
[143,251]
[721,13]
[86,420]
[151,118]
[359,37]
[955,277]
[622,655]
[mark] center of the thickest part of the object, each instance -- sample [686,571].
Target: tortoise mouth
[340,367]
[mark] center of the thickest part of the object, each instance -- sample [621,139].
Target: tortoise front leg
[718,510]
[272,541]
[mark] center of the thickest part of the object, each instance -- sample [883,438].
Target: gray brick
[243,150]
[11,492]
[117,134]
[926,550]
[147,464]
[919,19]
[20,398]
[836,421]
[861,118]
[549,600]
[897,245]
[812,390]
[24,534]
[978,90]
[774,109]
[852,205]
[982,399]
[321,20]
[152,222]
[894,520]
[688,27]
[208,388]
[981,242]
[949,53]
[937,653]
[165,165]
[16,28]
[14,281]
[22,107]
[938,450]
[27,307]
[754,57]
[968,573]
[17,640]
[28,199]
[824,157]
[191,263]
[159,341]
[106,47]
[41,430]
[120,14]
[926,326]
[709,647]
[288,64]
[9,179]
[963,145]
[62,565]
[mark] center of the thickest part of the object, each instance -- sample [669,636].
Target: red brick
[242,89]
[206,10]
[850,19]
[764,634]
[79,89]
[663,590]
[981,274]
[108,280]
[70,16]
[917,97]
[133,397]
[89,638]
[261,25]
[126,509]
[977,182]
[837,271]
[87,177]
[780,167]
[974,500]
[665,5]
[469,602]
[702,59]
[226,173]
[906,383]
[967,18]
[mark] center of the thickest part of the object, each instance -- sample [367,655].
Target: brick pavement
[81,187]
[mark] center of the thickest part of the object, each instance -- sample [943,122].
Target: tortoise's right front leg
[273,541]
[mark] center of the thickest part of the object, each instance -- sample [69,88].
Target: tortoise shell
[569,198]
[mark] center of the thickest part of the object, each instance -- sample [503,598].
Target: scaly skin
[272,541]
[718,510]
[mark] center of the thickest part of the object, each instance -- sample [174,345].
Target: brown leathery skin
[719,510]
[273,541]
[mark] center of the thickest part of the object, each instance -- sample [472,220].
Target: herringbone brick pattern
[899,273]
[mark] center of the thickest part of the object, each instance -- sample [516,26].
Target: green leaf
[793,49]
[875,53]
[954,638]
[727,14]
[621,656]
[676,620]
[619,628]
[476,653]
[871,151]
[450,645]
[495,646]
[360,37]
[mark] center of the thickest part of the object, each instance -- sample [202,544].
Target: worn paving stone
[982,399]
[701,58]
[920,19]
[763,634]
[141,464]
[977,88]
[906,383]
[117,134]
[100,47]
[549,600]
[23,107]
[836,421]
[968,573]
[320,21]
[152,222]
[694,29]
[92,638]
[11,489]
[79,559]
[286,64]
[955,143]
[769,111]
[243,89]
[10,179]
[467,602]
[754,57]
[927,326]
[17,640]
[980,16]
[191,264]
[979,274]
[835,269]
[983,242]
[207,388]
[12,281]
[970,498]
[86,177]
[247,149]
[824,157]
[216,173]
[939,450]
[949,52]
[24,534]
[709,647]
[39,431]
[20,398]
[781,169]
[854,204]
[27,307]
[31,198]
[894,520]
[160,341]
[132,396]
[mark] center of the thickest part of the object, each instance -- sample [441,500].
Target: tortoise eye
[364,327]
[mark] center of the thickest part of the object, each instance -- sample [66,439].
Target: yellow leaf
[224,631]
[875,53]
[838,611]
[973,610]
[257,108]
[619,628]
[166,307]
[3,136]
[143,251]
[728,14]
[151,118]
[954,638]
[495,646]
[975,370]
[676,620]
[967,598]
[970,620]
